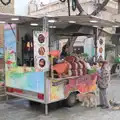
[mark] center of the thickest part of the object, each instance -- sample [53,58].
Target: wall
[59,8]
[21,7]
[8,8]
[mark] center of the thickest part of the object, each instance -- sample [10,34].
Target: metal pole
[45,29]
[117,46]
[46,109]
[68,1]
[5,70]
[95,41]
[118,6]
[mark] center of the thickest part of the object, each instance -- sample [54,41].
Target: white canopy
[86,20]
[61,21]
[15,19]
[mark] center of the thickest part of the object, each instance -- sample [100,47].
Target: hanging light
[2,22]
[51,21]
[72,22]
[14,19]
[34,24]
[93,21]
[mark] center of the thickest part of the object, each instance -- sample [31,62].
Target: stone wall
[8,8]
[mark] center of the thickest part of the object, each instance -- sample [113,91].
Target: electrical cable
[5,3]
[12,30]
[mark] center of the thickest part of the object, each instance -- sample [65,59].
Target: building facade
[58,8]
[5,9]
[8,8]
[21,7]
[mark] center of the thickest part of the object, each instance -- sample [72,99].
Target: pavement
[20,109]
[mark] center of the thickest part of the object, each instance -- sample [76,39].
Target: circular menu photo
[42,63]
[100,58]
[41,51]
[41,38]
[101,41]
[100,49]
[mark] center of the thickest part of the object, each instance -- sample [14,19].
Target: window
[78,49]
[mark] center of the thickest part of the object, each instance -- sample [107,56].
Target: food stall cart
[27,62]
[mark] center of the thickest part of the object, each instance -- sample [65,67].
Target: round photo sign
[41,38]
[41,51]
[42,63]
[101,41]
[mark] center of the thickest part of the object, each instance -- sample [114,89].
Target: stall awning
[15,19]
[60,21]
[87,20]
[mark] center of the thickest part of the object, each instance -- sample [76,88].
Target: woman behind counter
[59,57]
[64,52]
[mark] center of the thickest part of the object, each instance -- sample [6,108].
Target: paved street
[20,110]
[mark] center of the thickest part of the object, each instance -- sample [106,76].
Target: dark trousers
[103,96]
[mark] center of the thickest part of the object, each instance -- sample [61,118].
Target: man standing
[103,82]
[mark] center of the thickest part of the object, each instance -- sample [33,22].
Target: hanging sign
[41,51]
[101,48]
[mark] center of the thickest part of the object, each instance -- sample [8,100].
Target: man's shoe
[105,107]
[100,105]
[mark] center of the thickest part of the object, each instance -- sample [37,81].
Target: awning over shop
[15,19]
[86,20]
[60,21]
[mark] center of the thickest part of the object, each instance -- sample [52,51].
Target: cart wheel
[71,100]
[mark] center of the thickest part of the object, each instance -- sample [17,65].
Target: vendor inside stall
[64,52]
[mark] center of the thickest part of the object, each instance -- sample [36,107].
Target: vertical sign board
[101,48]
[10,47]
[41,51]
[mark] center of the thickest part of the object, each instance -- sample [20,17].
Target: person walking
[103,83]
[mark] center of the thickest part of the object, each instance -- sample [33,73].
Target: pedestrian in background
[103,83]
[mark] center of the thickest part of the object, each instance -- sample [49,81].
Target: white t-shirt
[88,66]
